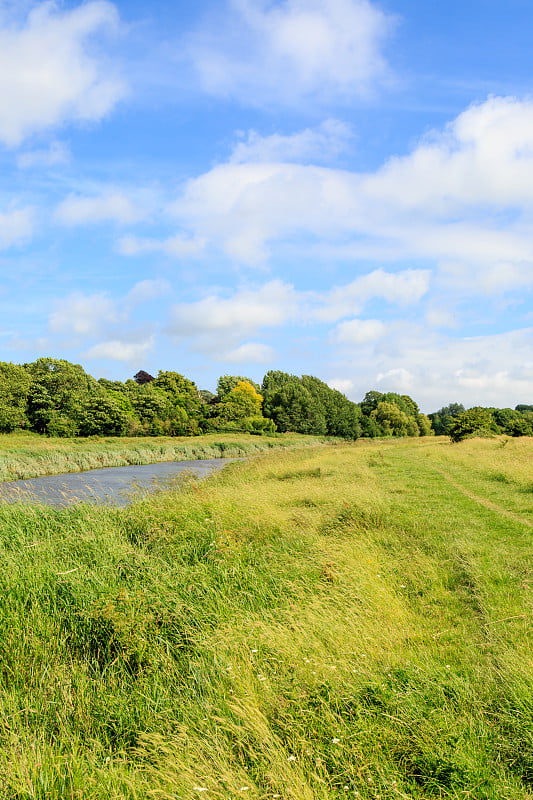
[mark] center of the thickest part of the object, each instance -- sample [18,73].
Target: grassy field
[350,621]
[29,455]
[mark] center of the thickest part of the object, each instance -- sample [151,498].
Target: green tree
[57,395]
[293,408]
[102,416]
[474,422]
[393,421]
[15,384]
[226,384]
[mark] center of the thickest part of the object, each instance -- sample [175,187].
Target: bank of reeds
[31,456]
[347,622]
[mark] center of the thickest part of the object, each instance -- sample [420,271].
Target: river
[115,486]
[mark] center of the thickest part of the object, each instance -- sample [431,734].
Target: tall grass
[31,456]
[350,621]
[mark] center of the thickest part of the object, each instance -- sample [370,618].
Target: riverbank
[32,456]
[326,623]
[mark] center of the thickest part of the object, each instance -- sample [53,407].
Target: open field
[29,455]
[350,621]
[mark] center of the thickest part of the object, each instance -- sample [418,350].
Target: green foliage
[310,621]
[102,415]
[393,421]
[14,389]
[226,384]
[442,420]
[474,422]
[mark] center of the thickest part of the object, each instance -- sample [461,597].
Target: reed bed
[336,622]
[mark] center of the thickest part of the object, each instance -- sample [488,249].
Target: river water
[115,486]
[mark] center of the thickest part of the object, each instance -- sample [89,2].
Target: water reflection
[115,486]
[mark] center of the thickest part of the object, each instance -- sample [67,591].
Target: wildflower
[200,789]
[255,651]
[335,741]
[291,758]
[307,661]
[244,788]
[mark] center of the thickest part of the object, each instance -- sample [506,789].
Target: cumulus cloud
[403,288]
[147,290]
[343,385]
[57,153]
[120,350]
[245,312]
[323,143]
[356,331]
[278,53]
[49,75]
[177,246]
[437,369]
[16,226]
[461,199]
[83,314]
[249,353]
[112,206]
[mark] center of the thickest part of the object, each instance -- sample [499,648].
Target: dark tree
[143,377]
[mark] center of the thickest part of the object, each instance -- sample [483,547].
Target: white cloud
[461,200]
[119,350]
[357,331]
[403,288]
[249,353]
[323,143]
[83,314]
[280,53]
[16,226]
[229,318]
[147,290]
[48,75]
[57,153]
[436,369]
[177,246]
[112,206]
[343,385]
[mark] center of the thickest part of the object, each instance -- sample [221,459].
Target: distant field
[350,621]
[30,455]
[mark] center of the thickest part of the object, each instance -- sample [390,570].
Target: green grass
[28,455]
[351,621]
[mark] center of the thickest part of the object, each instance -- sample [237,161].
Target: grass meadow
[345,621]
[29,455]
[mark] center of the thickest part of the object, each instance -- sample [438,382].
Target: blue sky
[330,187]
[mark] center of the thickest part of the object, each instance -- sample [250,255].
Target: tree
[14,389]
[393,421]
[57,395]
[102,416]
[226,384]
[243,401]
[293,408]
[474,422]
[143,377]
[424,425]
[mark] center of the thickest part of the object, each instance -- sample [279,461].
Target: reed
[350,621]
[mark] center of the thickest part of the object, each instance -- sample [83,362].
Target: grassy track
[30,455]
[343,622]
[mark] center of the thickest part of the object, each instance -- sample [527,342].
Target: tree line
[57,398]
[459,423]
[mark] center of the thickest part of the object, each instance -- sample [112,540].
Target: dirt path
[484,502]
